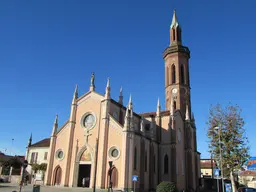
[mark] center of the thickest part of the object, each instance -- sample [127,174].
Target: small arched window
[174,105]
[167,76]
[173,34]
[173,74]
[182,74]
[154,163]
[166,167]
[135,159]
[146,161]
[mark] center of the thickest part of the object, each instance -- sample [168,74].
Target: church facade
[155,146]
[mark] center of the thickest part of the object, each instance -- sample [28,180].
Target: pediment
[90,95]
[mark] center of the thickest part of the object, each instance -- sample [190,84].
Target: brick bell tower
[177,83]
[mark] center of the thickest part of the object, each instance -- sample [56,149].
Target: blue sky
[46,47]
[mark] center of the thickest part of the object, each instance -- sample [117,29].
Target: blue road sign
[216,172]
[135,178]
[228,187]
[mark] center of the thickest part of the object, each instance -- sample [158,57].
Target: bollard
[36,188]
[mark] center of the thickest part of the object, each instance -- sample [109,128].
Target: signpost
[217,174]
[134,179]
[228,187]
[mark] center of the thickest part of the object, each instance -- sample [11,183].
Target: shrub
[166,186]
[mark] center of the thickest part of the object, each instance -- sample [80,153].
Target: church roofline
[149,114]
[62,127]
[84,95]
[123,107]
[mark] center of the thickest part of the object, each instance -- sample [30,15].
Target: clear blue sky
[46,47]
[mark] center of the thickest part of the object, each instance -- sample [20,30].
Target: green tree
[14,162]
[226,131]
[40,167]
[166,186]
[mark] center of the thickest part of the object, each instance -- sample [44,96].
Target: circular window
[114,153]
[88,121]
[59,154]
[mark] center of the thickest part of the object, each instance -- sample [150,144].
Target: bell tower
[177,84]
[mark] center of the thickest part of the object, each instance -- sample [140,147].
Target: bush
[166,187]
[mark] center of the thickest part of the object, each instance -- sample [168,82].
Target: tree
[40,167]
[14,162]
[226,131]
[166,186]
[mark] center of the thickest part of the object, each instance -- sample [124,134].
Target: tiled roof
[149,114]
[42,143]
[248,173]
[4,157]
[206,164]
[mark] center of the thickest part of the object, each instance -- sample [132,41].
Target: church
[102,133]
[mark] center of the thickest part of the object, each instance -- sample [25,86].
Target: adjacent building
[36,154]
[207,167]
[156,146]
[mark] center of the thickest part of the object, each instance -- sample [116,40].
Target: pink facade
[156,146]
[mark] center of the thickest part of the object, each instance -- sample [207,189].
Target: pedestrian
[83,182]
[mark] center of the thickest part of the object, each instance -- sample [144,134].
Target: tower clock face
[174,91]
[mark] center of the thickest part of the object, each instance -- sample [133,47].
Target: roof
[150,114]
[42,143]
[248,173]
[206,164]
[4,157]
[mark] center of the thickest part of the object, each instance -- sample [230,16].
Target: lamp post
[24,166]
[110,175]
[221,165]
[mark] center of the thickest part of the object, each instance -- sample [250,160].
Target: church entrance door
[57,179]
[84,172]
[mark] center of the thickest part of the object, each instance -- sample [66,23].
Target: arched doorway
[114,178]
[84,172]
[57,177]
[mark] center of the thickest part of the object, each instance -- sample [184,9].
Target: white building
[37,154]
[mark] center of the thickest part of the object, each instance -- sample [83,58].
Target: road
[12,187]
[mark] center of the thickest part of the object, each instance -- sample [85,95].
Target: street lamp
[221,166]
[110,175]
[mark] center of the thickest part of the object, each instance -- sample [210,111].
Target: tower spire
[121,96]
[30,140]
[158,107]
[175,30]
[187,113]
[177,82]
[175,22]
[107,93]
[75,96]
[55,125]
[130,102]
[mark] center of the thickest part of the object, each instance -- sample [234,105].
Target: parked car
[246,189]
[3,180]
